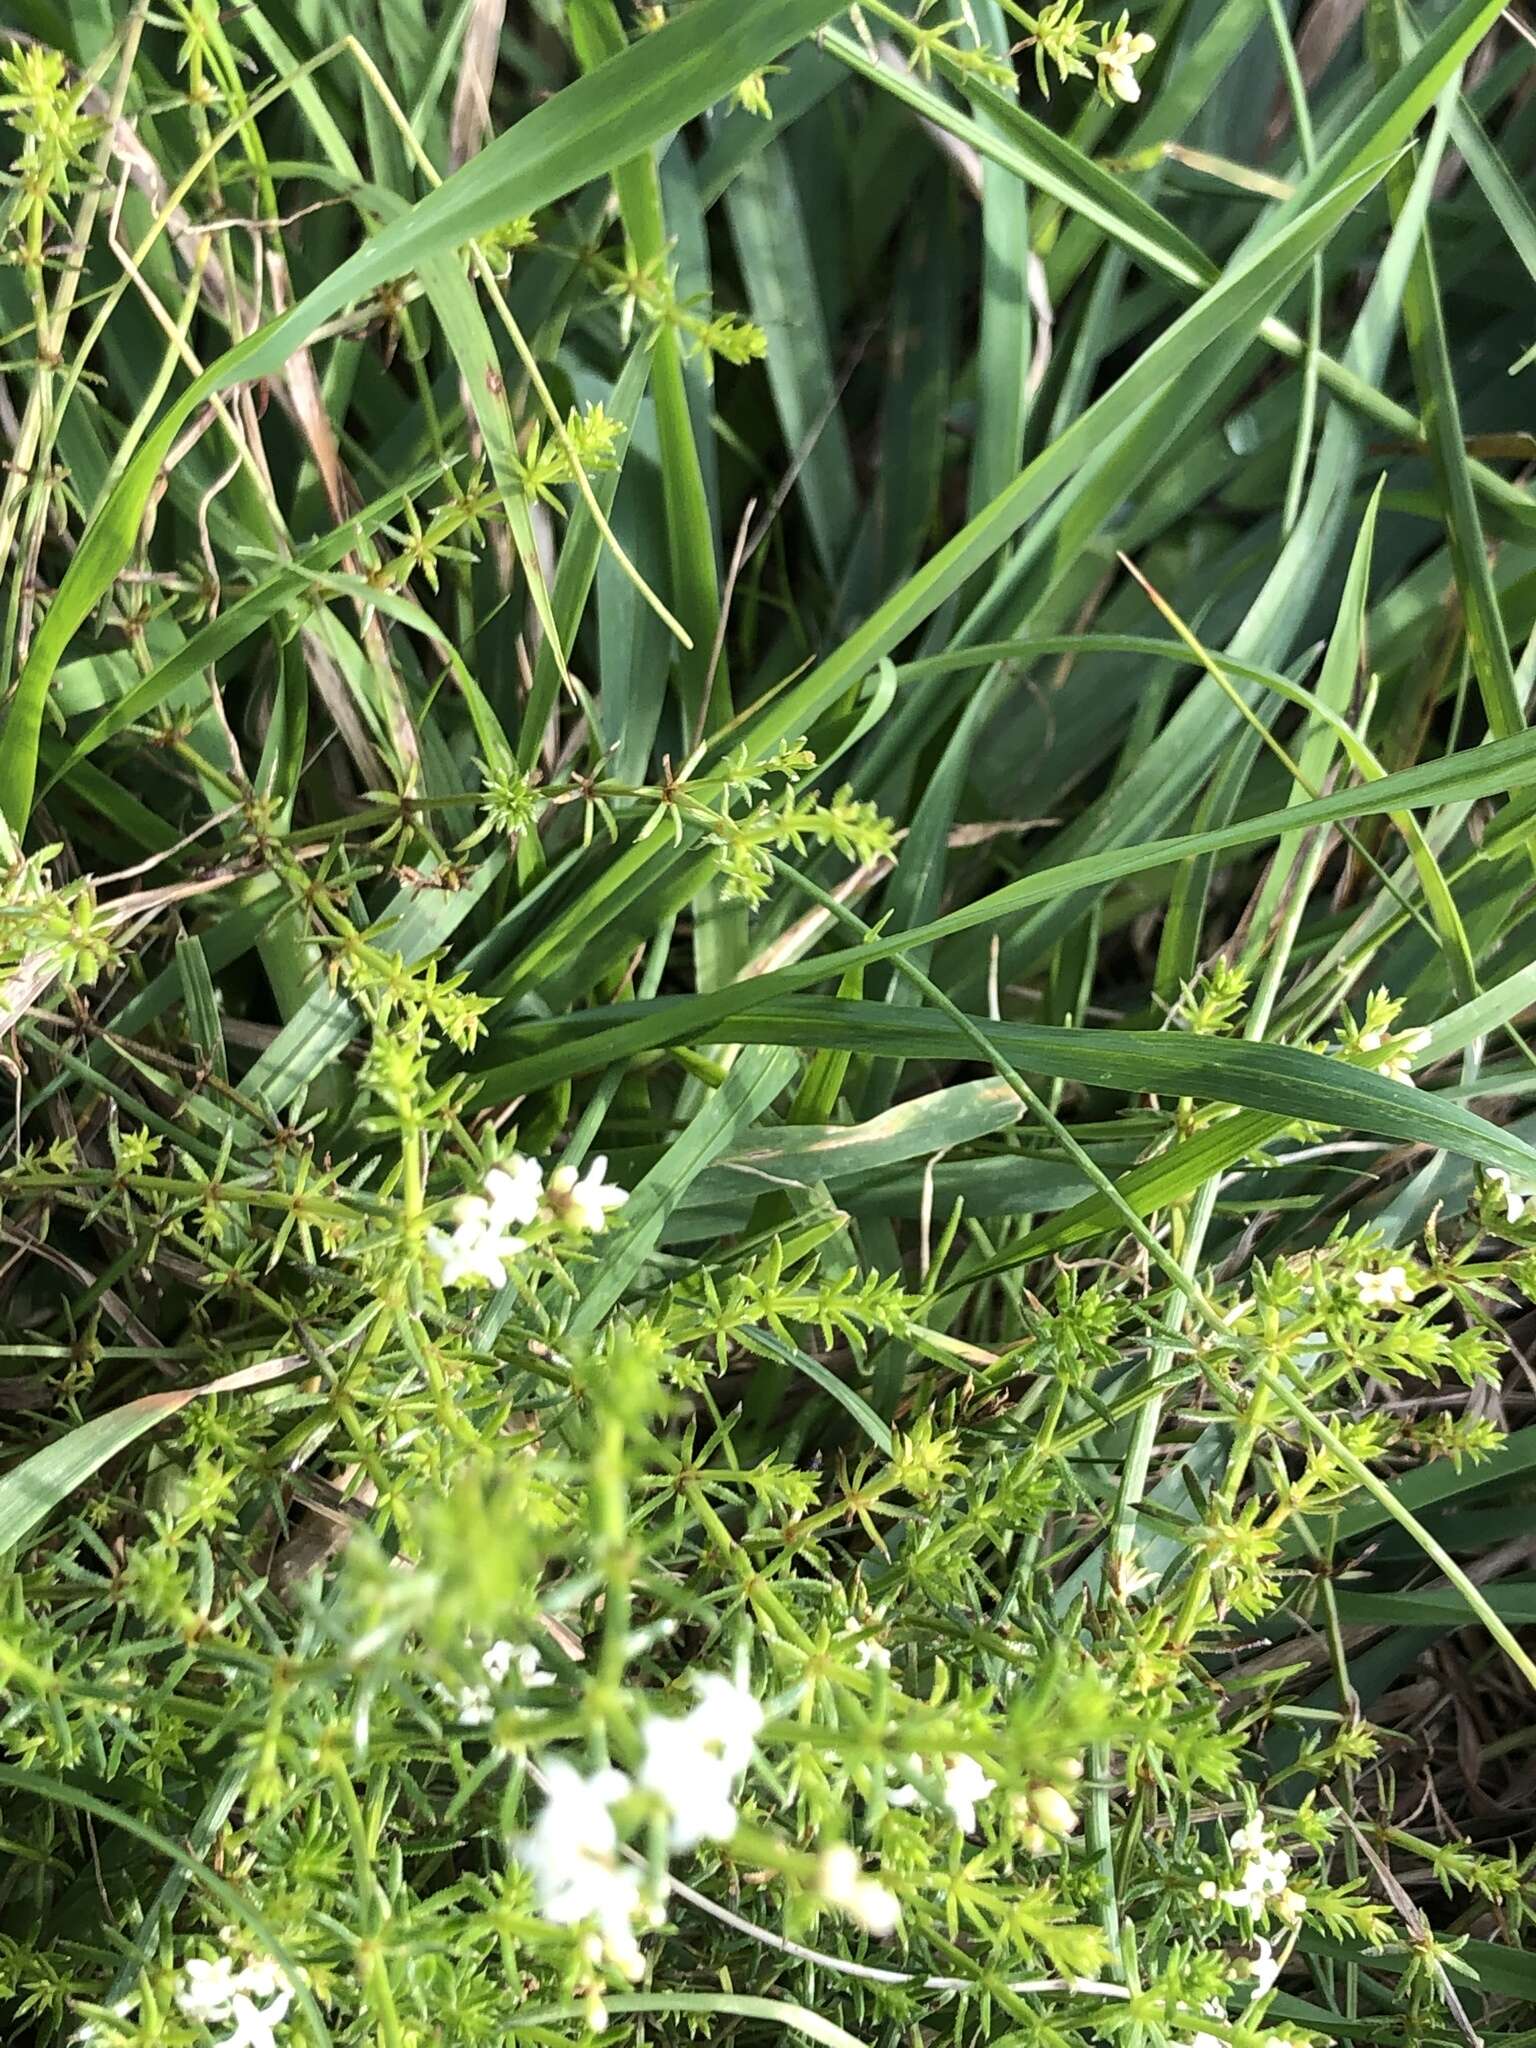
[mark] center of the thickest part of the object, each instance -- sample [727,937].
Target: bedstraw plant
[768,1215]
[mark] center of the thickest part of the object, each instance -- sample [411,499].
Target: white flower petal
[692,1763]
[965,1784]
[572,1855]
[514,1190]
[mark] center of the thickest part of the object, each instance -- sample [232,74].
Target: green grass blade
[615,113]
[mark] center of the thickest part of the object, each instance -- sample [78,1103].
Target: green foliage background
[939,676]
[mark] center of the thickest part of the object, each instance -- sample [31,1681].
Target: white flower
[475,1253]
[211,1991]
[696,1789]
[583,1202]
[255,2026]
[870,1650]
[1252,1838]
[1385,1289]
[1516,1199]
[514,1190]
[501,1659]
[1118,59]
[691,1764]
[572,1855]
[1129,1576]
[471,1704]
[215,1992]
[728,1718]
[1266,1971]
[842,1883]
[1261,1875]
[484,1238]
[965,1785]
[1406,1048]
[208,1989]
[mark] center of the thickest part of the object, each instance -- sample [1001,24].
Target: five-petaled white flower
[572,1855]
[1384,1289]
[514,1189]
[582,1201]
[692,1763]
[841,1882]
[1118,57]
[214,1992]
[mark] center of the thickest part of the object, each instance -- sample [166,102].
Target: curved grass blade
[1500,766]
[30,1491]
[1281,1080]
[606,118]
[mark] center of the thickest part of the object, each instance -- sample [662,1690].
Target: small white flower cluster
[965,1785]
[691,1765]
[1385,1289]
[215,1993]
[1263,1878]
[487,1228]
[471,1704]
[572,1855]
[1118,58]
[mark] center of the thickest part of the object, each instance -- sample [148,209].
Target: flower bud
[1053,1810]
